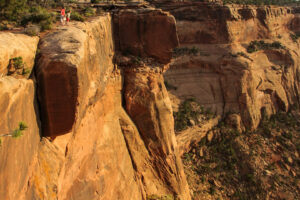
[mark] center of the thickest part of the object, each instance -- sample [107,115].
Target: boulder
[145,33]
[17,45]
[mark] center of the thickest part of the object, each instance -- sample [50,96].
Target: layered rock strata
[91,148]
[216,68]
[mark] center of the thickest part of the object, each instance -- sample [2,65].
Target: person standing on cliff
[68,16]
[62,15]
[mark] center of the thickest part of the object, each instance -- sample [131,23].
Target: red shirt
[62,12]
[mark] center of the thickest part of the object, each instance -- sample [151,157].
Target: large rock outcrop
[148,104]
[95,150]
[146,33]
[17,155]
[70,63]
[215,67]
[17,45]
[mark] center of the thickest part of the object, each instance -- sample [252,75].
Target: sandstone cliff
[15,45]
[100,118]
[214,66]
[93,146]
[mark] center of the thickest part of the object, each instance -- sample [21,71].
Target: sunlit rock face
[17,155]
[92,146]
[16,45]
[220,72]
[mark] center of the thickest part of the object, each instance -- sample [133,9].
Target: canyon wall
[100,120]
[215,67]
[96,129]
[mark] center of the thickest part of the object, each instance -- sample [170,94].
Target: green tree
[18,132]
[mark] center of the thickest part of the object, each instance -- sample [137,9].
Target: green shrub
[26,71]
[89,12]
[18,62]
[189,111]
[77,16]
[13,10]
[18,132]
[185,51]
[22,126]
[261,45]
[40,16]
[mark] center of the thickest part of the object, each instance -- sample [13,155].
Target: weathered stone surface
[95,150]
[149,106]
[191,136]
[222,75]
[146,33]
[71,61]
[92,162]
[17,103]
[15,45]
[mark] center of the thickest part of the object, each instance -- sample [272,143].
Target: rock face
[93,148]
[107,129]
[146,33]
[17,103]
[148,104]
[70,63]
[15,45]
[217,69]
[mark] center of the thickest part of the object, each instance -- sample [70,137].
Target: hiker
[62,16]
[68,16]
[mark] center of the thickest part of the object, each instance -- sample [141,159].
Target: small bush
[190,113]
[261,45]
[17,66]
[89,12]
[18,62]
[77,16]
[26,71]
[18,132]
[22,126]
[240,54]
[40,16]
[185,51]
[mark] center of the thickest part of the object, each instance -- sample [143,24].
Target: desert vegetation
[256,164]
[17,66]
[16,133]
[189,51]
[43,14]
[262,45]
[190,113]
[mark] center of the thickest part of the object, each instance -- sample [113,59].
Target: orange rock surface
[91,147]
[221,74]
[16,45]
[101,126]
